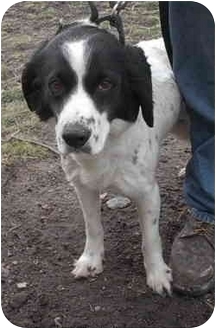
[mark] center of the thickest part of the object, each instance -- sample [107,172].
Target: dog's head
[86,79]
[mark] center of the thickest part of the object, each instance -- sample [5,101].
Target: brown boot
[192,257]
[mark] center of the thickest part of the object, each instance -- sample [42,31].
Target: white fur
[114,165]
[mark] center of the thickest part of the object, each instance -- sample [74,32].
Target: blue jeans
[188,30]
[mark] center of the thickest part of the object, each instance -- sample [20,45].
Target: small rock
[57,322]
[97,308]
[15,262]
[18,300]
[4,273]
[60,288]
[10,253]
[103,196]
[21,285]
[45,206]
[182,173]
[118,202]
[43,300]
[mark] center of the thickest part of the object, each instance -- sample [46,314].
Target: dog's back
[166,97]
[163,79]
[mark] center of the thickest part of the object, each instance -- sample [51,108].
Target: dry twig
[50,148]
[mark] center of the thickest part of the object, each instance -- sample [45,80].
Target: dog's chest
[123,164]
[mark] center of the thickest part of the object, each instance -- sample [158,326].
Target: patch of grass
[11,95]
[14,150]
[17,119]
[5,72]
[151,5]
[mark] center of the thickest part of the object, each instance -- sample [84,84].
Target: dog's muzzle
[76,135]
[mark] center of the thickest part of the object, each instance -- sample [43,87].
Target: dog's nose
[76,135]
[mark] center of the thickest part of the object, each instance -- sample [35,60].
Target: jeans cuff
[203,216]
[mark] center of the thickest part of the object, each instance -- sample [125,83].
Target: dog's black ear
[34,92]
[139,75]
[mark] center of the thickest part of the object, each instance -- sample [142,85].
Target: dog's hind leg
[90,262]
[158,273]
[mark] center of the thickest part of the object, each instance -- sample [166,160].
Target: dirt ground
[42,225]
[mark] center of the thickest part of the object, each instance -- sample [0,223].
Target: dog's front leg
[158,273]
[90,262]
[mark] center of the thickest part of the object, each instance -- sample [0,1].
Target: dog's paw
[87,265]
[159,279]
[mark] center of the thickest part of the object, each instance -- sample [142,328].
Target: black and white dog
[113,105]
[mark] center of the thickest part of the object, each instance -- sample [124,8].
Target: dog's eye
[105,85]
[56,87]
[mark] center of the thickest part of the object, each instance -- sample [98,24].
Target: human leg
[189,36]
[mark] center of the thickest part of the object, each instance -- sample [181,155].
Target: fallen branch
[50,148]
[11,136]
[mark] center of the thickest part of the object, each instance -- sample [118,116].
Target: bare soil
[43,231]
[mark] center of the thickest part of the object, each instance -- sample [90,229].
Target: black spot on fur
[96,138]
[172,109]
[90,121]
[135,157]
[150,143]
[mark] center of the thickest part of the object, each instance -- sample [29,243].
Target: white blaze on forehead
[75,54]
[79,106]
